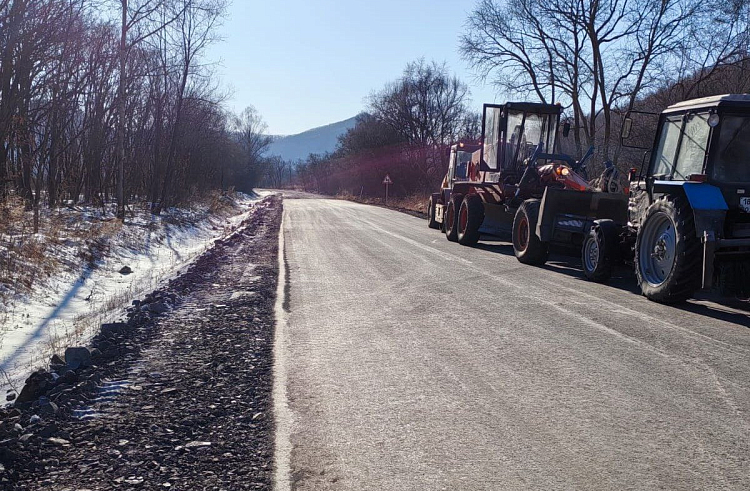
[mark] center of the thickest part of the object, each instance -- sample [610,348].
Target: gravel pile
[177,397]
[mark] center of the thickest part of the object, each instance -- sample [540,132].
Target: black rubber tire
[450,218]
[599,269]
[468,231]
[685,276]
[431,222]
[526,245]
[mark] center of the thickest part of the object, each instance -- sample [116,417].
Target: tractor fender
[706,200]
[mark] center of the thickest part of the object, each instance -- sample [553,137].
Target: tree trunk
[121,114]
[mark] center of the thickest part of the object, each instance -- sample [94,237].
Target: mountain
[317,140]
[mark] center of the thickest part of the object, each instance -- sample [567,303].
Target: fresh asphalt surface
[413,363]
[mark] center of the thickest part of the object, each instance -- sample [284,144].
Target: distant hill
[317,140]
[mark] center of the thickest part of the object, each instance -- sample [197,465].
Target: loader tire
[431,222]
[450,219]
[470,218]
[598,253]
[668,254]
[526,244]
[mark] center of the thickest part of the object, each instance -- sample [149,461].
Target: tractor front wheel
[526,245]
[470,218]
[598,253]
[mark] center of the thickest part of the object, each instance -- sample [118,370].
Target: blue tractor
[688,209]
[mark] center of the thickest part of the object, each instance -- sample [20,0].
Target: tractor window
[492,119]
[731,163]
[665,152]
[693,147]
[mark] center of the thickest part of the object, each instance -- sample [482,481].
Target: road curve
[413,363]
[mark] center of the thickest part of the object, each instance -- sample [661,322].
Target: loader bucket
[575,211]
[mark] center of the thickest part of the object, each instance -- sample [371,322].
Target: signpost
[387,181]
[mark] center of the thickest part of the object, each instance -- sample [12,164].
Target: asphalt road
[413,363]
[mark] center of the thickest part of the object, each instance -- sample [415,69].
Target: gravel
[177,397]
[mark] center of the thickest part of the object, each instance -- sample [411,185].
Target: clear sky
[307,63]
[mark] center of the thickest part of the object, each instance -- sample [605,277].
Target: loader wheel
[450,218]
[470,218]
[598,252]
[526,245]
[431,222]
[668,255]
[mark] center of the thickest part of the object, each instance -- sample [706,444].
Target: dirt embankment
[177,397]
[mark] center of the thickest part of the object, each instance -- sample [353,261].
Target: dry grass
[416,203]
[23,257]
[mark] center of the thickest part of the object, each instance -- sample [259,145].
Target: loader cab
[512,131]
[459,161]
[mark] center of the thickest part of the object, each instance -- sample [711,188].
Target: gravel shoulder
[178,397]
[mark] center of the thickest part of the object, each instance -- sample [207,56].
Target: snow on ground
[68,307]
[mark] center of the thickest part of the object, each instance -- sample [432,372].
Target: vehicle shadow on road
[622,277]
[708,304]
[495,245]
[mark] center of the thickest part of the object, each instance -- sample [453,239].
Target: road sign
[387,181]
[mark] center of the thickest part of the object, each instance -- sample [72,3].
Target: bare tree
[426,105]
[598,56]
[251,129]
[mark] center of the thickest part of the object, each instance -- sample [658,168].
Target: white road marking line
[282,413]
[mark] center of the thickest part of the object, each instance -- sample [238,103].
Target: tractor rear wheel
[667,251]
[470,218]
[598,253]
[450,219]
[526,245]
[431,222]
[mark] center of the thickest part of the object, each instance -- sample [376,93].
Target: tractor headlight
[713,120]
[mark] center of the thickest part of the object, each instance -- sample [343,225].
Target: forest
[114,102]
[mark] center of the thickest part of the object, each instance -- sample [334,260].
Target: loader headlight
[713,120]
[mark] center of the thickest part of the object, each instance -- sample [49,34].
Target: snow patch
[70,305]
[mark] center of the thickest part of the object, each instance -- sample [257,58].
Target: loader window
[540,128]
[525,133]
[665,152]
[731,162]
[514,139]
[693,147]
[462,165]
[492,119]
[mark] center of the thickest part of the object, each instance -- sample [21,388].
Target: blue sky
[304,64]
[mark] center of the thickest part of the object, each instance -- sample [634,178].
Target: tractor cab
[703,141]
[511,133]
